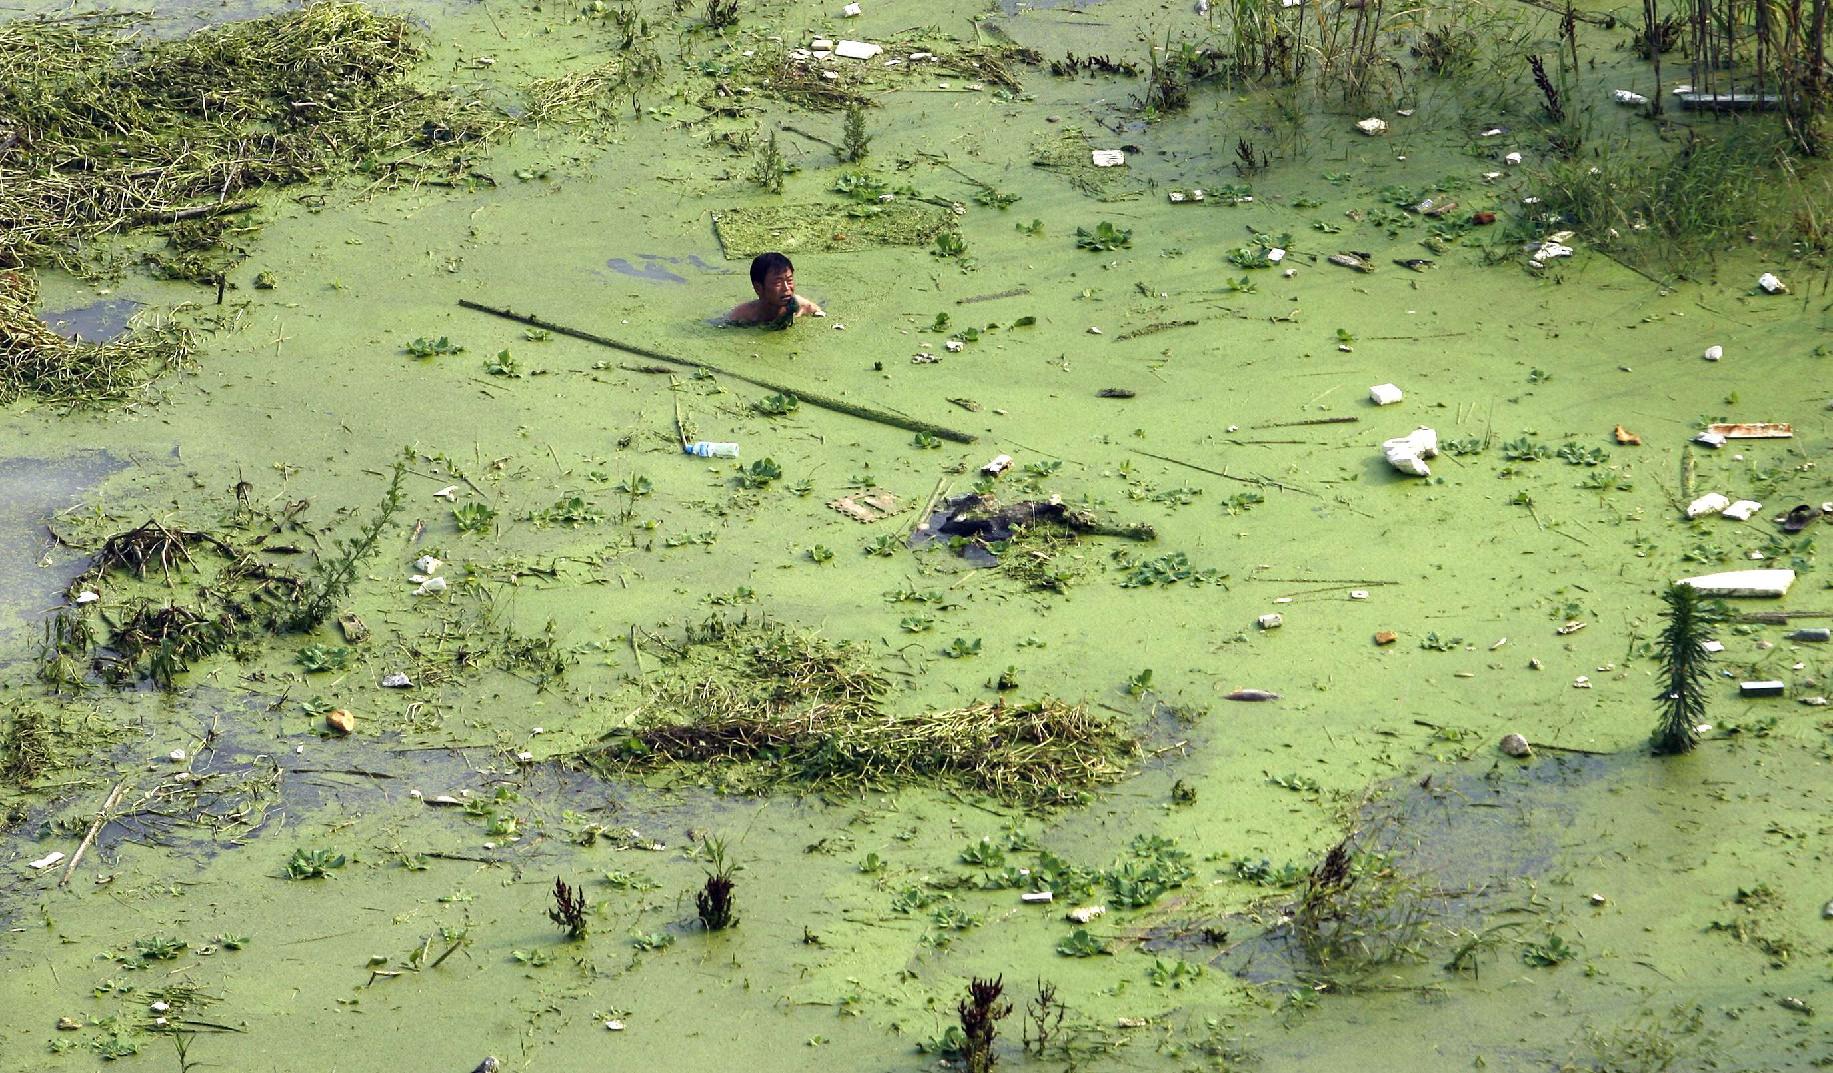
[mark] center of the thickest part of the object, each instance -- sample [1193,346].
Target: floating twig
[1310,421]
[102,816]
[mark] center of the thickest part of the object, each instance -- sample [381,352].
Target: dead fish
[969,405]
[1114,393]
[1417,264]
[1443,208]
[1359,262]
[1251,694]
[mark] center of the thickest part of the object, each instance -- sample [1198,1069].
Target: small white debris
[953,346]
[1272,621]
[1036,897]
[415,794]
[431,585]
[831,76]
[614,1025]
[1713,353]
[450,491]
[1290,272]
[1086,913]
[1625,96]
[1570,628]
[1512,159]
[1384,394]
[1814,702]
[1771,284]
[1491,132]
[1516,746]
[1581,682]
[160,1007]
[1275,254]
[1372,126]
[1499,643]
[1094,331]
[1598,899]
[535,732]
[857,50]
[426,564]
[998,465]
[177,756]
[1710,439]
[46,861]
[1712,646]
[821,44]
[525,756]
[1358,594]
[397,680]
[1108,158]
[1282,600]
[86,597]
[1408,453]
[1710,503]
[1742,510]
[1404,113]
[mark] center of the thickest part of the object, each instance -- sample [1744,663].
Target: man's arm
[806,308]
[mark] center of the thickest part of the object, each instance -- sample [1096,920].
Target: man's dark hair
[765,264]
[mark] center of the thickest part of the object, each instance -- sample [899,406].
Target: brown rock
[1386,637]
[68,1024]
[341,721]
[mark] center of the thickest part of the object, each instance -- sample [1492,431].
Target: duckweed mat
[818,228]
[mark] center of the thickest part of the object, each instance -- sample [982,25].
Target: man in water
[778,304]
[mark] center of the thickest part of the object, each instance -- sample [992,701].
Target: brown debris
[1386,637]
[1628,438]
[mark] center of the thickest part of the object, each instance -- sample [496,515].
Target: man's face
[778,287]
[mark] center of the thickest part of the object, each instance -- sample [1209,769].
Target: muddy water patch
[33,571]
[101,321]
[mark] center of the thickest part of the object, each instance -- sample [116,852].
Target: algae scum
[384,685]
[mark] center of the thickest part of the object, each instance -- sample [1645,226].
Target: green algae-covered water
[1590,907]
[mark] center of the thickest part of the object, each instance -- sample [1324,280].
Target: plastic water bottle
[709,449]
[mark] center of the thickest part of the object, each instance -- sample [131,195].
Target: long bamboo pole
[836,405]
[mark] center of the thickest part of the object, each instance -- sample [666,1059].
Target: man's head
[773,277]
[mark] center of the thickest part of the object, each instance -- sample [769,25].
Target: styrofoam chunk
[1385,394]
[857,50]
[1710,503]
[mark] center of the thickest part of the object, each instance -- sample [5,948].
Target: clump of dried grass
[792,707]
[104,131]
[36,361]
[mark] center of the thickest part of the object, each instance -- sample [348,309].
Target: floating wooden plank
[1743,583]
[1729,102]
[1753,430]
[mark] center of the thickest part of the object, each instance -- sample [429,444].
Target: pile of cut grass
[36,361]
[103,131]
[779,706]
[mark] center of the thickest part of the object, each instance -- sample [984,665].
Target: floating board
[1728,102]
[1753,430]
[1743,583]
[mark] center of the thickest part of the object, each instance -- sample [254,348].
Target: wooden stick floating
[864,413]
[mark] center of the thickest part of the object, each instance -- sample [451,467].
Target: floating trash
[1372,126]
